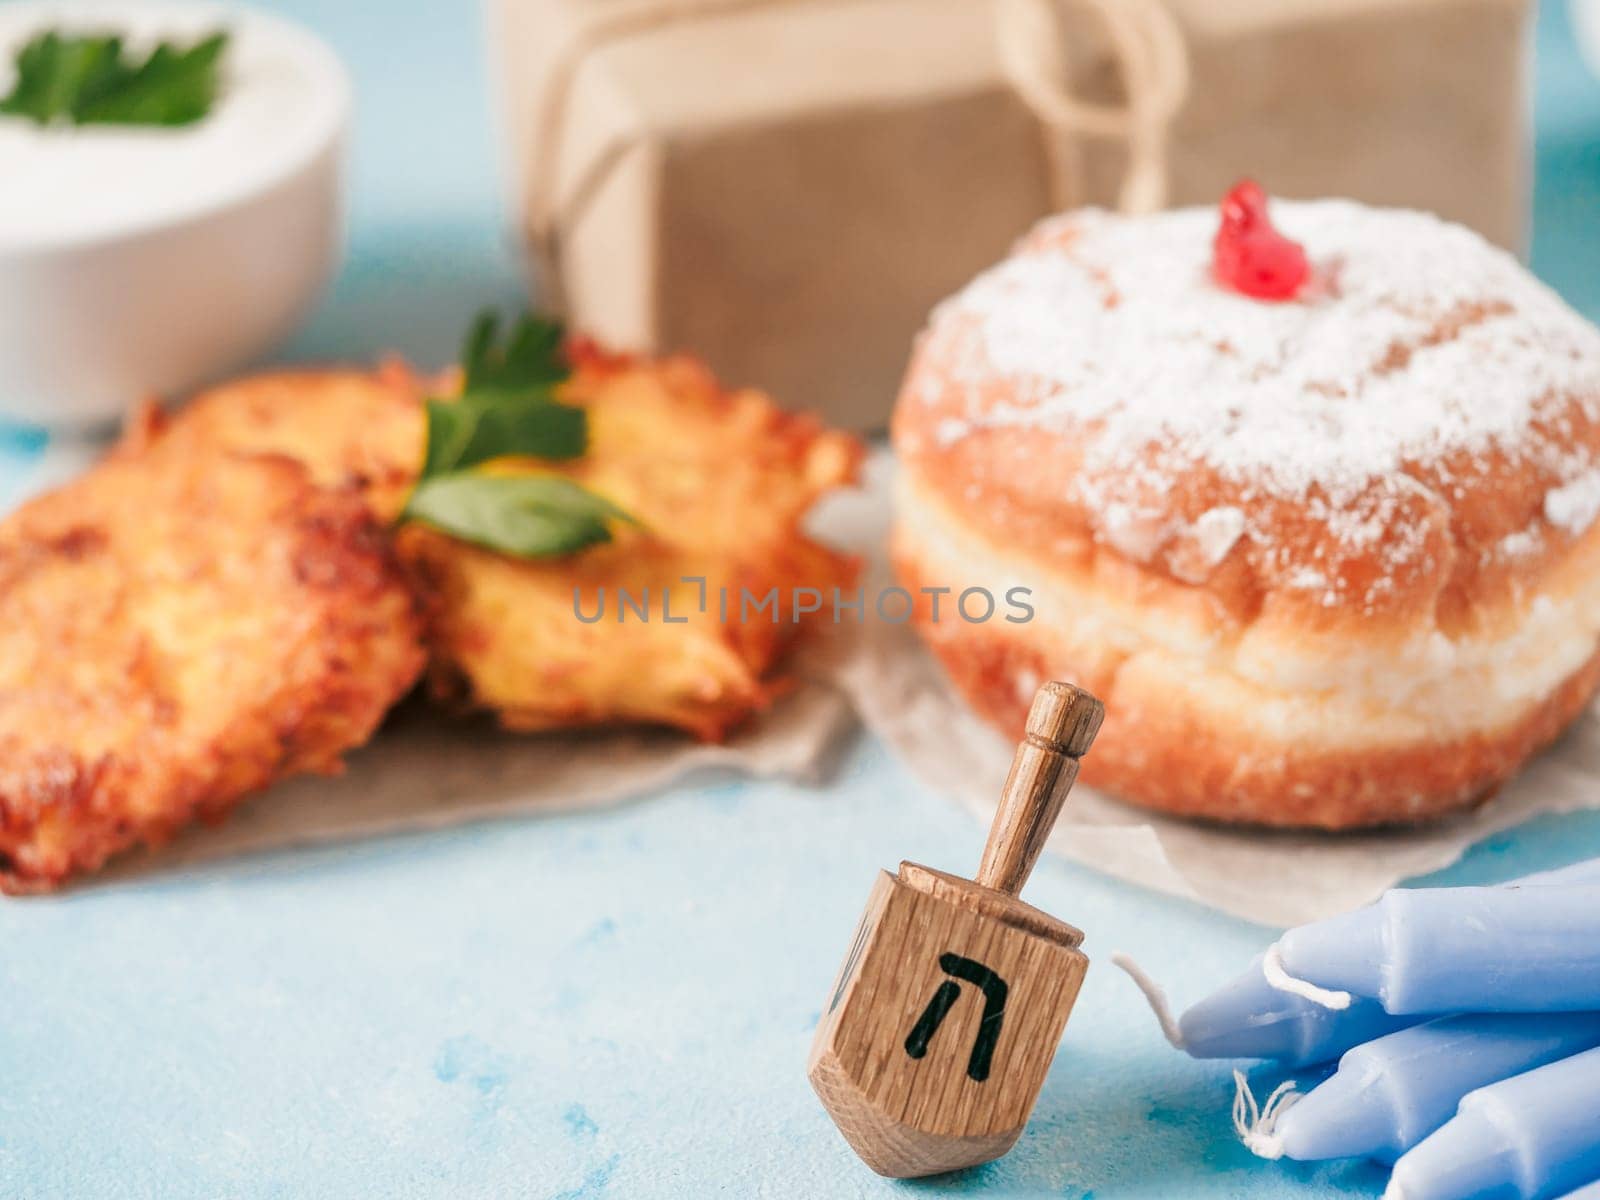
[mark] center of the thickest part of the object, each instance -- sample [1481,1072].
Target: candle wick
[1272,969]
[1155,996]
[1257,1127]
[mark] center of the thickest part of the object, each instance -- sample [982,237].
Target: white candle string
[1257,1127]
[1272,970]
[1155,996]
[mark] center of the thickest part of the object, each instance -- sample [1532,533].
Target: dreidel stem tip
[1061,726]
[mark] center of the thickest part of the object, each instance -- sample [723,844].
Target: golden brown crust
[1161,749]
[358,429]
[175,634]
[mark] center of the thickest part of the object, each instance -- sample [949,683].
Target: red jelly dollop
[1249,255]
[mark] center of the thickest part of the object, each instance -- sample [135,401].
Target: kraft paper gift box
[786,187]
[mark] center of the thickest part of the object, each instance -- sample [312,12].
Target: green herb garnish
[507,409]
[86,79]
[531,357]
[529,516]
[474,429]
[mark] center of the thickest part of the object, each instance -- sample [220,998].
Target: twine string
[1154,63]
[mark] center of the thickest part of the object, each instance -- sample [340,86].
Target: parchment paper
[427,771]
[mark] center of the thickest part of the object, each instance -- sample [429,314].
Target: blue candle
[1249,1018]
[1442,950]
[1587,871]
[1531,1136]
[1389,1094]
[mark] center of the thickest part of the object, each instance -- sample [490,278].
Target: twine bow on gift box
[1154,62]
[1032,39]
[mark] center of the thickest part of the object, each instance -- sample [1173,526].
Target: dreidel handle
[1061,726]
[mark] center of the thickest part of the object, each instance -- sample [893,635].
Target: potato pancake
[720,483]
[177,632]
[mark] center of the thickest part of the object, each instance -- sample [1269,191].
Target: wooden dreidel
[948,1009]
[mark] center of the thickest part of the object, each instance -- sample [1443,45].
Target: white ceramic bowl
[139,262]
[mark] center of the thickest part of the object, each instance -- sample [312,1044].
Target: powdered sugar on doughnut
[1574,505]
[1216,530]
[1417,342]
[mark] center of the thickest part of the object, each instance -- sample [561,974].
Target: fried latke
[177,632]
[720,481]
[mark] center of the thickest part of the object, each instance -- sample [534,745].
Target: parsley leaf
[54,71]
[478,427]
[86,79]
[529,516]
[507,408]
[171,87]
[531,357]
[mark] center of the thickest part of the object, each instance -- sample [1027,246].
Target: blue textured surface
[613,1005]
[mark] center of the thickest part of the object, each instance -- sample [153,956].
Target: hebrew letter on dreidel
[918,1079]
[994,1011]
